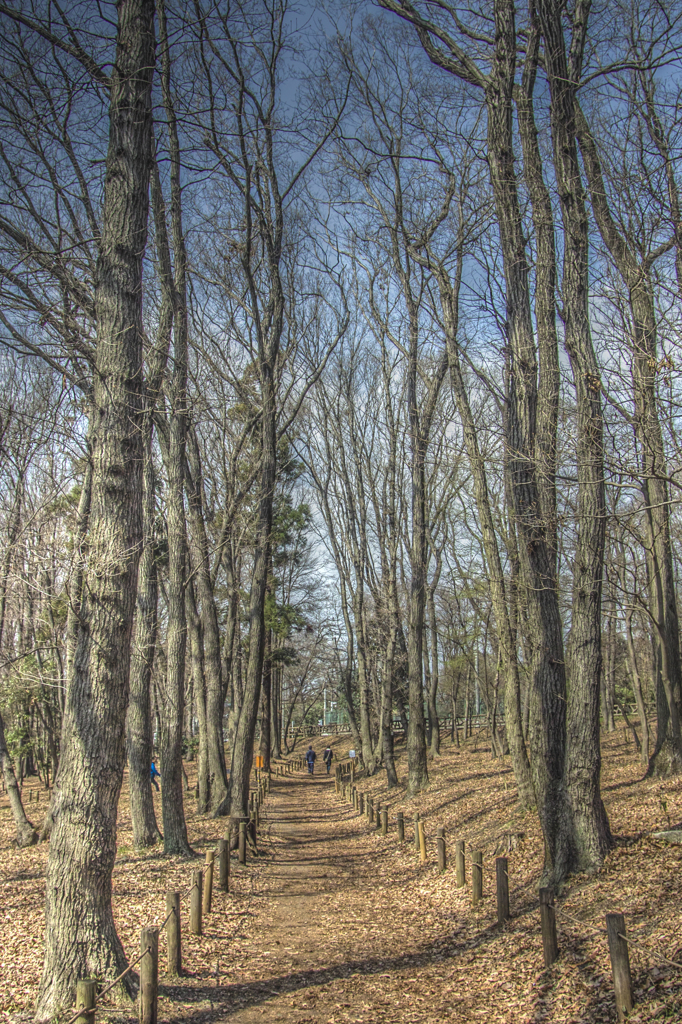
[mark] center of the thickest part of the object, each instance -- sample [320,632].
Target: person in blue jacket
[311,757]
[154,775]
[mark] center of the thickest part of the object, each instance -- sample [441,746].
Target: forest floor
[335,923]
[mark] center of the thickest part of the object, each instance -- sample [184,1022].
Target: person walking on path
[327,758]
[311,757]
[154,775]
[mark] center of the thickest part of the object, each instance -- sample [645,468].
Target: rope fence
[377,816]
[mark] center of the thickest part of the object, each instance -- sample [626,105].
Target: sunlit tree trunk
[80,936]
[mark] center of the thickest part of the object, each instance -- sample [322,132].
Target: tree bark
[215,704]
[80,936]
[434,724]
[591,834]
[174,826]
[547,732]
[242,753]
[637,687]
[26,834]
[266,703]
[636,274]
[139,721]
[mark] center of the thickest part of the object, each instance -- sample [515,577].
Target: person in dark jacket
[154,775]
[327,758]
[311,757]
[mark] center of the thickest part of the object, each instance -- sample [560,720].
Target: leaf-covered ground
[336,923]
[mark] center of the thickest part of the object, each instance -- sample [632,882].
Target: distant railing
[476,722]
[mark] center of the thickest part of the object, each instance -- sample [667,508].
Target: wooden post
[422,842]
[242,842]
[502,879]
[208,881]
[86,995]
[550,947]
[224,863]
[195,902]
[370,809]
[400,819]
[415,818]
[362,803]
[173,941]
[620,963]
[460,867]
[149,975]
[440,843]
[384,820]
[377,816]
[476,877]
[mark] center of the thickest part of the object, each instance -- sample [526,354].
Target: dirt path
[322,938]
[299,953]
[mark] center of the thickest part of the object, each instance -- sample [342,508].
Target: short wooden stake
[384,820]
[400,820]
[440,843]
[173,940]
[377,816]
[241,856]
[620,963]
[460,866]
[361,806]
[208,882]
[415,818]
[502,880]
[422,842]
[476,877]
[149,975]
[550,946]
[86,996]
[195,902]
[224,864]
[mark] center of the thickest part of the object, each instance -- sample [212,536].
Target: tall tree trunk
[368,758]
[387,713]
[637,687]
[198,699]
[139,725]
[139,722]
[26,834]
[266,703]
[417,771]
[506,639]
[276,724]
[609,689]
[242,752]
[591,835]
[434,724]
[174,826]
[80,935]
[215,703]
[231,643]
[636,275]
[549,377]
[175,839]
[547,704]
